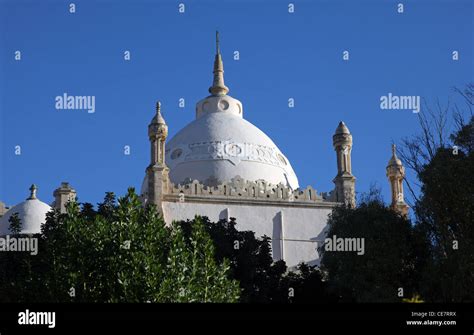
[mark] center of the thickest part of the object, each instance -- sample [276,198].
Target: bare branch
[413,194]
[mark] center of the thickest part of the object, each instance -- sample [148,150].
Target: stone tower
[62,195]
[157,172]
[395,175]
[344,181]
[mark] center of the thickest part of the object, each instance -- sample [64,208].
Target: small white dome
[32,213]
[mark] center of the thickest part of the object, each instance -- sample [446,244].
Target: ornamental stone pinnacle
[395,175]
[218,87]
[344,180]
[33,190]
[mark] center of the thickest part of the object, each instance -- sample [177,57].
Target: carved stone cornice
[239,190]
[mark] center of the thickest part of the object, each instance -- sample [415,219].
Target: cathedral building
[222,166]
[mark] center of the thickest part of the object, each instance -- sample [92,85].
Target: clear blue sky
[282,55]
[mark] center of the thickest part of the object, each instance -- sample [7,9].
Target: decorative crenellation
[240,188]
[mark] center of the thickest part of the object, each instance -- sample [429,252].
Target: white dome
[32,213]
[220,145]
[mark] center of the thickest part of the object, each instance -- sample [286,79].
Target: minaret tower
[62,195]
[344,181]
[157,172]
[396,174]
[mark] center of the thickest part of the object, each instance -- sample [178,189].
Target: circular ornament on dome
[176,153]
[233,149]
[223,105]
[205,106]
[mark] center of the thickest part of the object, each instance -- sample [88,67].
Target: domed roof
[394,160]
[158,118]
[342,128]
[32,213]
[220,145]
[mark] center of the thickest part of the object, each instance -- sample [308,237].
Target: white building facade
[222,166]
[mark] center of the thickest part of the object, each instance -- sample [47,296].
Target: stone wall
[294,220]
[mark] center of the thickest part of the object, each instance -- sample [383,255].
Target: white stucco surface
[294,239]
[220,145]
[32,213]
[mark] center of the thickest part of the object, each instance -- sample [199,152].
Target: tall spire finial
[158,107]
[158,118]
[218,87]
[33,189]
[394,149]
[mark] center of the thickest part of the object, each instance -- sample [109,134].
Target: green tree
[306,285]
[15,224]
[445,214]
[261,279]
[193,274]
[122,253]
[394,252]
[441,157]
[17,268]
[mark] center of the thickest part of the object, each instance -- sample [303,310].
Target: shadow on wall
[224,214]
[277,238]
[277,241]
[319,242]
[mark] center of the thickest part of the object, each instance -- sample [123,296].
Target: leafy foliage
[394,252]
[261,279]
[445,213]
[15,224]
[122,253]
